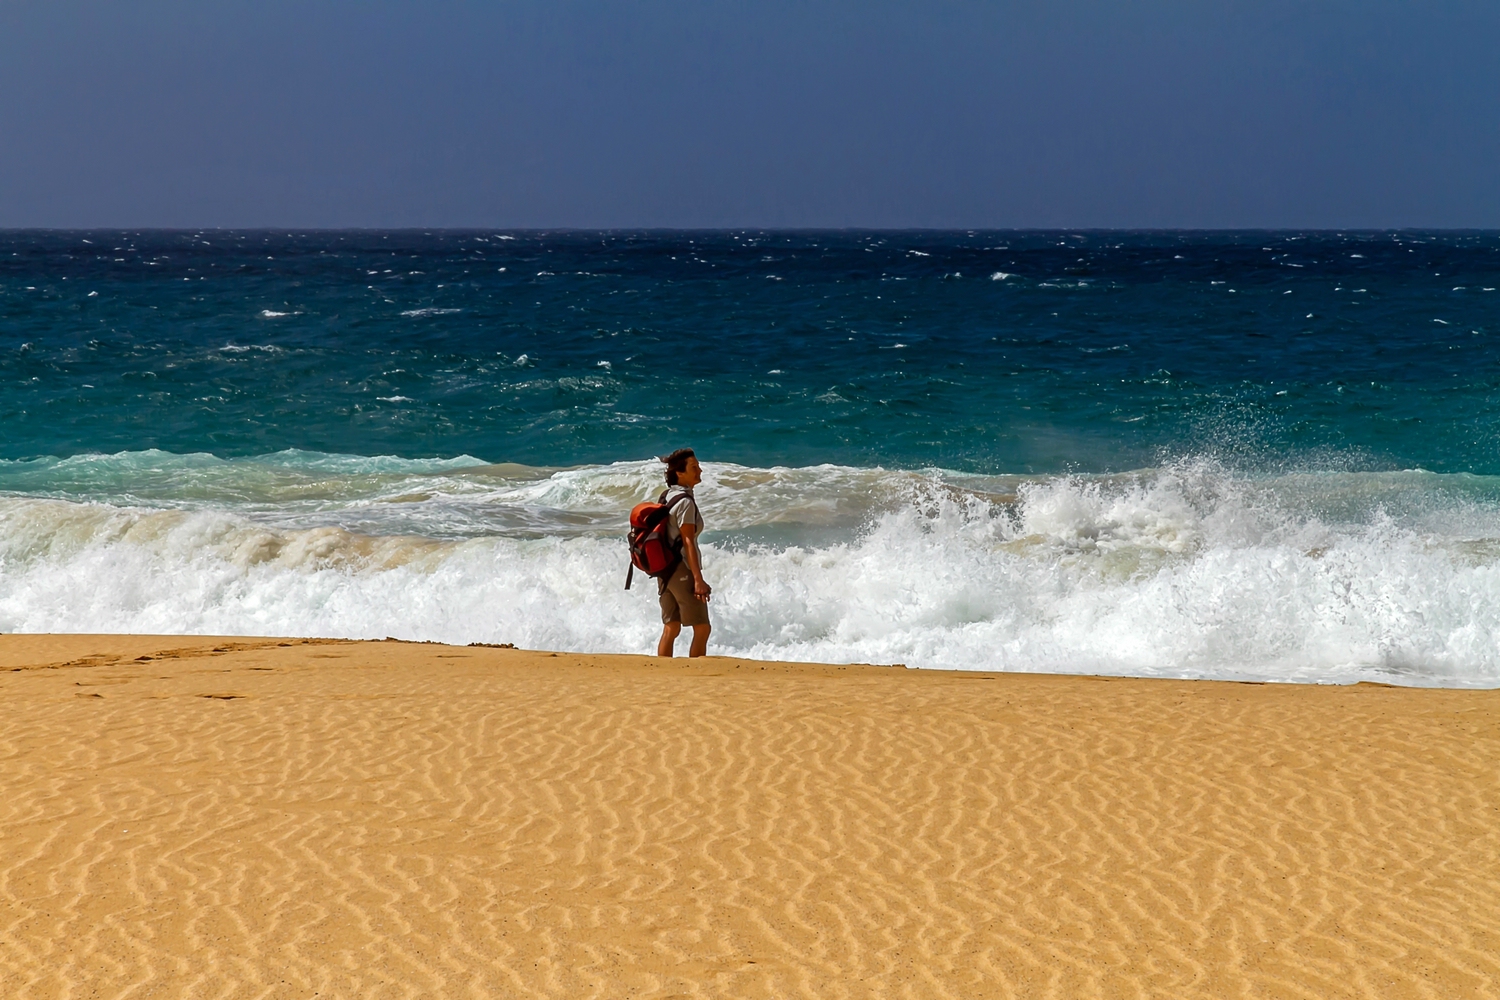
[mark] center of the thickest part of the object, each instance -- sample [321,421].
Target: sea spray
[1188,570]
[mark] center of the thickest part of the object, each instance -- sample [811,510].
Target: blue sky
[943,113]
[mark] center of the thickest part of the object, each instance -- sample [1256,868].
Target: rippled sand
[189,817]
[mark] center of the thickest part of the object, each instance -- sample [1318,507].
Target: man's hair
[677,462]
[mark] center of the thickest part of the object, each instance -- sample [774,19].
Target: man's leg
[669,638]
[700,639]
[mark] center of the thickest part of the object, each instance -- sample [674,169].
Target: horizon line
[751,229]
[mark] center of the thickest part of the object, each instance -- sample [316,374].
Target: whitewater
[1190,569]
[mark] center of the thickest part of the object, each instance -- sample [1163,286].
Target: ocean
[1246,455]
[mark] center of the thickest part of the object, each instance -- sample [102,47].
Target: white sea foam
[429,311]
[1186,571]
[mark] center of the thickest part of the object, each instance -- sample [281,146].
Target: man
[684,592]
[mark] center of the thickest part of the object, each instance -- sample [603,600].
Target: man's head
[683,468]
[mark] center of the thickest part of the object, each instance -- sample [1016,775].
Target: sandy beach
[201,817]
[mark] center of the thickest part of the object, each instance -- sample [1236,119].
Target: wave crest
[1185,571]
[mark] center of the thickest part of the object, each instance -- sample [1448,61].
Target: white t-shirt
[685,512]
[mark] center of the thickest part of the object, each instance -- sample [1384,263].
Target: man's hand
[694,560]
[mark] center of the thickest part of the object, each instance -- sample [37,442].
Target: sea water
[1257,455]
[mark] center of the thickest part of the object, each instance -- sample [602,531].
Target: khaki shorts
[677,601]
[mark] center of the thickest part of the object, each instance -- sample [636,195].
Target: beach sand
[199,817]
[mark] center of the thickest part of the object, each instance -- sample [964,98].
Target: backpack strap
[675,500]
[674,549]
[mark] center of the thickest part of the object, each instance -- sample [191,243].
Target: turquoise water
[1264,455]
[988,352]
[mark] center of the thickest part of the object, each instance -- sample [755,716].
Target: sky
[764,113]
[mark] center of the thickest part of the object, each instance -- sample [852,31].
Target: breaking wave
[1189,570]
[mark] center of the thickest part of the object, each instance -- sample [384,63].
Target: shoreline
[367,818]
[12,644]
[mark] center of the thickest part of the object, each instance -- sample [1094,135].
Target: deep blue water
[1097,351]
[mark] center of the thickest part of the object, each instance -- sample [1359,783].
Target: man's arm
[701,589]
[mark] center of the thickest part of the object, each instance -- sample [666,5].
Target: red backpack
[650,549]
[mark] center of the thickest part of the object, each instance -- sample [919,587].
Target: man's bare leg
[668,638]
[700,640]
